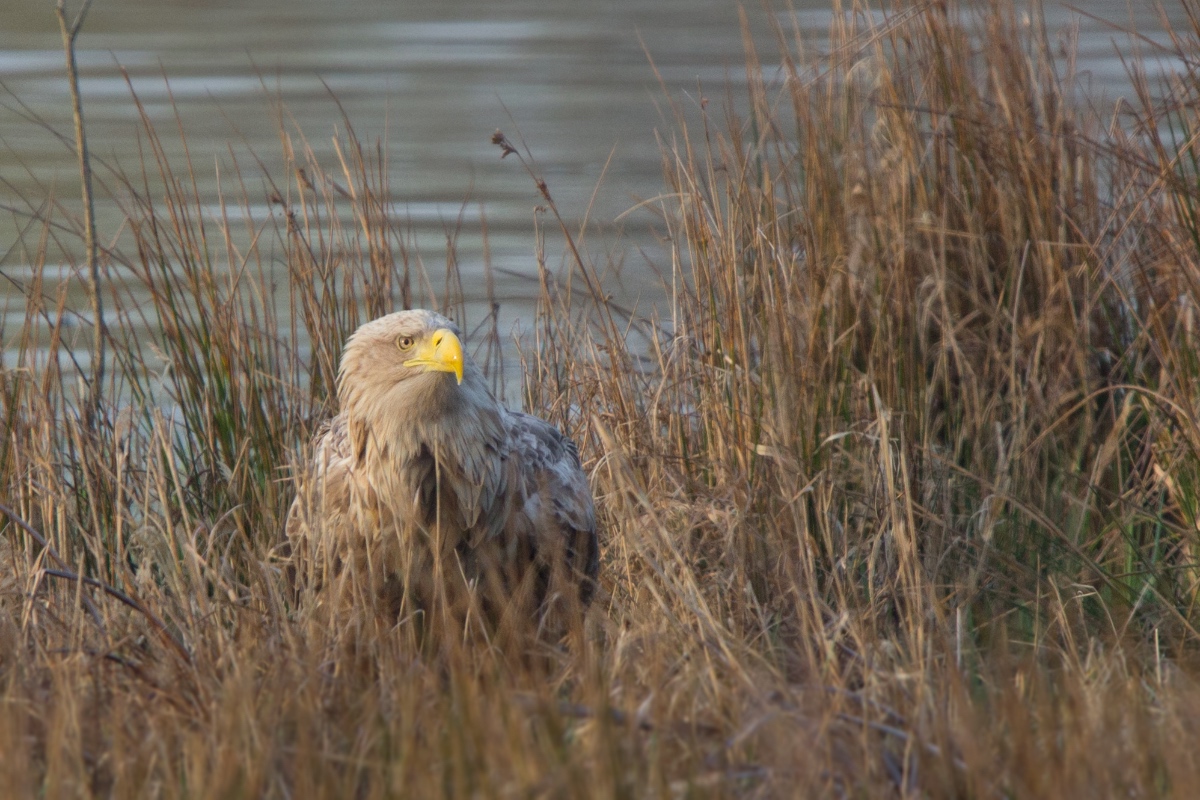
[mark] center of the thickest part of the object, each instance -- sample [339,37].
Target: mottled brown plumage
[427,492]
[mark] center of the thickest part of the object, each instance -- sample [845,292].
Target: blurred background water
[433,80]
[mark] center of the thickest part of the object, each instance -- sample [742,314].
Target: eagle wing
[324,509]
[553,502]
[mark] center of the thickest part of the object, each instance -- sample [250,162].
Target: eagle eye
[405,342]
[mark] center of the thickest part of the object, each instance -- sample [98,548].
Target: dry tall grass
[898,497]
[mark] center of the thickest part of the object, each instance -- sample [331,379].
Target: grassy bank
[897,495]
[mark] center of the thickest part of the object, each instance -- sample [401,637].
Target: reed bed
[897,491]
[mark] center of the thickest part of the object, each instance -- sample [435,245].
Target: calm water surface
[431,79]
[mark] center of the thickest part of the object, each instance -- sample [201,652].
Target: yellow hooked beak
[441,352]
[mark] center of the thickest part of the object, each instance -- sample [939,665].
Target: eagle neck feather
[425,432]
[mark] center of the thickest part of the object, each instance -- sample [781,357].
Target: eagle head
[405,360]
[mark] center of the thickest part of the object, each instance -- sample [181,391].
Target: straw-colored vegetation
[898,496]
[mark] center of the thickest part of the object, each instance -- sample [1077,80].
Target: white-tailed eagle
[427,492]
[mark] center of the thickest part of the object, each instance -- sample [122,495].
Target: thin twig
[69,34]
[50,551]
[66,573]
[597,293]
[158,624]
